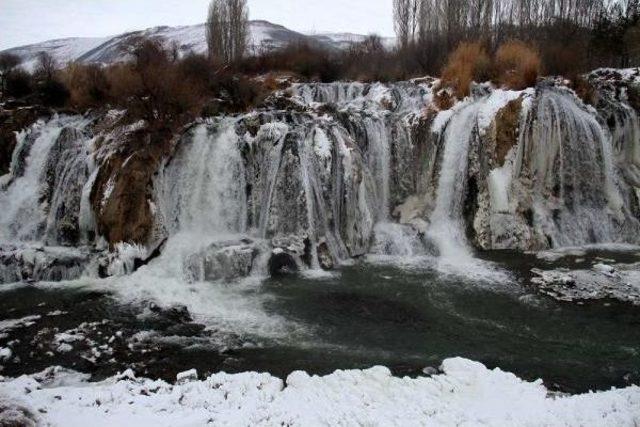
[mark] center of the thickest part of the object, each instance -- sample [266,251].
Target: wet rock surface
[222,260]
[602,282]
[42,264]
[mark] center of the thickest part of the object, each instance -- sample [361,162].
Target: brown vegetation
[517,65]
[507,121]
[584,90]
[88,85]
[468,63]
[573,36]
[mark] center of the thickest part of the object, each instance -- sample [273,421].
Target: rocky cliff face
[329,172]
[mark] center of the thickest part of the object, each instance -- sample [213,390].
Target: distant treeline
[571,35]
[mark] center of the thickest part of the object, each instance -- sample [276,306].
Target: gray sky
[30,21]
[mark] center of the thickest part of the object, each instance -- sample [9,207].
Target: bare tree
[227,30]
[406,20]
[46,66]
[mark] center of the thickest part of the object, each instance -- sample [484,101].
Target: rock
[324,256]
[226,260]
[122,192]
[621,283]
[282,262]
[18,263]
[187,376]
[430,371]
[605,269]
[5,353]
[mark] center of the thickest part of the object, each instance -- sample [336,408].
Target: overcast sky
[30,21]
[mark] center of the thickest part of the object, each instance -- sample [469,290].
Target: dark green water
[368,314]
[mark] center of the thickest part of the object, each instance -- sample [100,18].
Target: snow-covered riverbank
[465,393]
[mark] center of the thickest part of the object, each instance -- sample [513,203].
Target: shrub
[517,65]
[308,60]
[87,84]
[241,92]
[154,86]
[468,63]
[585,90]
[18,84]
[53,93]
[123,82]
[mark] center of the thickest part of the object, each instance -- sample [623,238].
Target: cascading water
[446,229]
[369,176]
[379,161]
[275,134]
[577,200]
[313,148]
[48,171]
[201,200]
[21,215]
[203,189]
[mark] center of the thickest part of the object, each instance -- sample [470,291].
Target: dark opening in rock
[282,263]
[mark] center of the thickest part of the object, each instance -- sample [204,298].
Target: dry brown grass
[517,65]
[468,63]
[88,85]
[584,90]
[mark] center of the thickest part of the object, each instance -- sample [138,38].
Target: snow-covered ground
[263,36]
[465,393]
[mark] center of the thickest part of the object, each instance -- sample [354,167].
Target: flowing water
[242,197]
[365,315]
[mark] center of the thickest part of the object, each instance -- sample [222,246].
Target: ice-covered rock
[621,283]
[27,263]
[222,260]
[353,168]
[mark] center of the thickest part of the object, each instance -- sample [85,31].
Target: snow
[62,50]
[108,189]
[344,40]
[11,324]
[105,50]
[441,120]
[497,100]
[5,353]
[466,393]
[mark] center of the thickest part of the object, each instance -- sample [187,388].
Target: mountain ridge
[264,35]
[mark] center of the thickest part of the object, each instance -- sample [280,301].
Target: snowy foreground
[466,393]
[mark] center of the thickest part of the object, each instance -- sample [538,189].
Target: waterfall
[319,184]
[275,134]
[314,147]
[379,161]
[203,189]
[21,215]
[577,200]
[48,170]
[201,201]
[447,228]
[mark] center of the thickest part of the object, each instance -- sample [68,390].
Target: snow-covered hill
[107,50]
